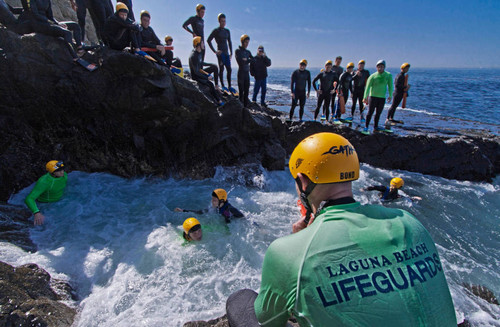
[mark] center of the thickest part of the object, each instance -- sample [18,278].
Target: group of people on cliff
[344,263]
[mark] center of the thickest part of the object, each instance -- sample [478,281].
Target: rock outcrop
[15,226]
[27,298]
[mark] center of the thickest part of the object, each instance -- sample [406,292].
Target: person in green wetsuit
[375,91]
[49,188]
[351,264]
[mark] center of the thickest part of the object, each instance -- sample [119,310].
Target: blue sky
[440,33]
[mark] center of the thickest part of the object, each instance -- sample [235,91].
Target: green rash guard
[47,189]
[377,83]
[355,266]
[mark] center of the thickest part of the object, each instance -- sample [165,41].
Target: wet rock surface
[27,298]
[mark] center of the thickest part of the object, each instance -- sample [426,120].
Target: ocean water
[118,241]
[440,101]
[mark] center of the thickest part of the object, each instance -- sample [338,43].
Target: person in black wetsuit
[224,50]
[338,70]
[258,69]
[244,58]
[221,204]
[196,68]
[197,24]
[300,78]
[390,193]
[343,87]
[359,79]
[169,54]
[399,90]
[150,40]
[328,81]
[120,31]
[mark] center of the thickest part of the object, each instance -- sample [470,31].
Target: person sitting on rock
[169,54]
[219,202]
[49,188]
[198,74]
[390,193]
[192,230]
[37,17]
[150,40]
[120,31]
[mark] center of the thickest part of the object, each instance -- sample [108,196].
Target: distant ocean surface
[442,99]
[118,241]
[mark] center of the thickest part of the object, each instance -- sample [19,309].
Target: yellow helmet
[190,223]
[361,62]
[220,194]
[244,37]
[403,66]
[199,7]
[54,165]
[196,41]
[325,158]
[219,16]
[397,182]
[328,62]
[350,65]
[145,12]
[303,62]
[168,38]
[121,6]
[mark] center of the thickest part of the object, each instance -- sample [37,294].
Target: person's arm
[315,80]
[267,61]
[50,14]
[235,212]
[379,188]
[294,80]
[230,43]
[155,38]
[391,86]
[35,193]
[238,57]
[145,41]
[367,88]
[209,40]
[186,24]
[308,83]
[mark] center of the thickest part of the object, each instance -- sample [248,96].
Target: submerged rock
[27,298]
[483,292]
[15,225]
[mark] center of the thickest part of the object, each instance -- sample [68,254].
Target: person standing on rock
[343,88]
[49,188]
[376,89]
[328,81]
[399,90]
[337,69]
[224,50]
[352,264]
[120,31]
[258,69]
[221,204]
[244,58]
[359,79]
[198,74]
[300,78]
[198,25]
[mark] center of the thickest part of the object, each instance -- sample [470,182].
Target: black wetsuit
[37,17]
[119,33]
[227,211]
[385,192]
[222,37]
[196,66]
[244,58]
[326,80]
[197,24]
[343,87]
[399,91]
[359,83]
[338,70]
[298,87]
[150,40]
[170,60]
[258,69]
[99,11]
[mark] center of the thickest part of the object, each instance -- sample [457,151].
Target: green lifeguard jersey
[47,189]
[377,85]
[356,266]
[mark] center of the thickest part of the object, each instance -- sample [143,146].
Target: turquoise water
[118,241]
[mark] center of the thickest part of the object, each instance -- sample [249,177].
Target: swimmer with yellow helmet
[49,188]
[192,230]
[221,204]
[390,193]
[350,256]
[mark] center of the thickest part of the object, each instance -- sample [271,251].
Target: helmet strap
[304,198]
